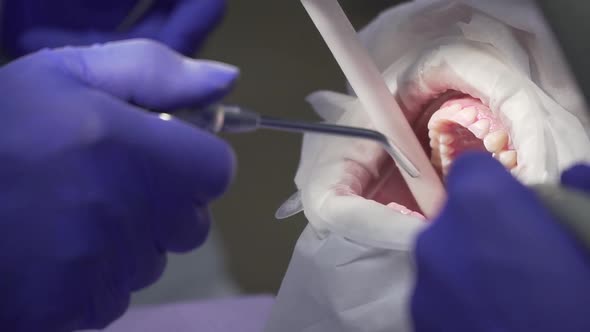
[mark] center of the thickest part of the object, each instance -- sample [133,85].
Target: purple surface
[244,314]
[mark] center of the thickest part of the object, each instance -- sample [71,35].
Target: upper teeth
[480,129]
[496,141]
[466,116]
[446,138]
[443,137]
[507,158]
[446,149]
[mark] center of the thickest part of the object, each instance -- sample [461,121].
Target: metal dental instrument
[235,119]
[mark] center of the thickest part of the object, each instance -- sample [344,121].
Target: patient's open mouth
[457,123]
[458,95]
[448,126]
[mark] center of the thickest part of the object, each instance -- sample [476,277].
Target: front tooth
[495,141]
[434,124]
[434,144]
[446,138]
[445,149]
[481,128]
[466,116]
[454,108]
[449,111]
[433,134]
[507,158]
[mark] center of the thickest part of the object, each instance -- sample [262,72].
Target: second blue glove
[496,260]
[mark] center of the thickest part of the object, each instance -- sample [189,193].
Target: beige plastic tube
[372,91]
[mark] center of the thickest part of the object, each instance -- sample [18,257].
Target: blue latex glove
[93,190]
[30,25]
[496,260]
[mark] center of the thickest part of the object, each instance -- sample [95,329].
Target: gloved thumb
[151,75]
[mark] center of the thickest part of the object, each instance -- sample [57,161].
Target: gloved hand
[578,178]
[30,25]
[496,260]
[94,190]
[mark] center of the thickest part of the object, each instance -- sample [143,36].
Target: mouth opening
[448,126]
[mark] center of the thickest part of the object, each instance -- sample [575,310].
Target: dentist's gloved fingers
[118,184]
[183,161]
[122,219]
[190,22]
[73,287]
[484,199]
[490,195]
[184,167]
[150,74]
[183,228]
[147,259]
[493,251]
[50,37]
[106,307]
[465,178]
[39,38]
[133,252]
[577,177]
[469,223]
[34,297]
[487,200]
[183,26]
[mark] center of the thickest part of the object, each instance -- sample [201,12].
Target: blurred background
[283,59]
